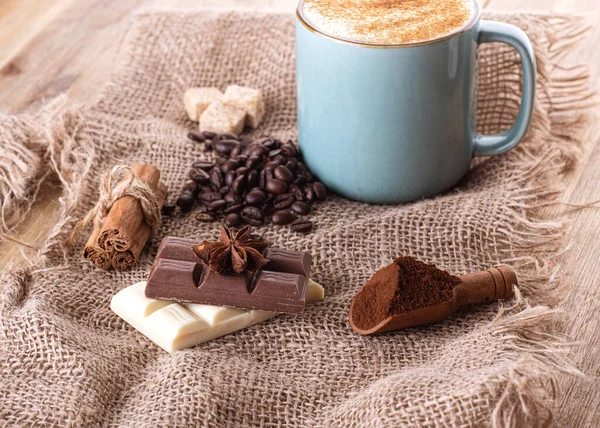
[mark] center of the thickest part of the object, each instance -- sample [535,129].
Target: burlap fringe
[527,388]
[20,165]
[526,391]
[50,150]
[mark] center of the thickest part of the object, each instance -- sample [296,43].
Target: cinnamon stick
[118,240]
[122,260]
[92,252]
[126,216]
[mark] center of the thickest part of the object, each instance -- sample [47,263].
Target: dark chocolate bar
[280,286]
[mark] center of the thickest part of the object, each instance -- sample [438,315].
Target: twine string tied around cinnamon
[111,192]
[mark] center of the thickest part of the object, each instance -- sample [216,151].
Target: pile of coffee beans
[251,182]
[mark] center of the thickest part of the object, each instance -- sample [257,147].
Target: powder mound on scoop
[405,285]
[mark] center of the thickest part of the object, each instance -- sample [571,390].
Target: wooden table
[49,47]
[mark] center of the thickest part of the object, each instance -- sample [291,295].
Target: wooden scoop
[479,287]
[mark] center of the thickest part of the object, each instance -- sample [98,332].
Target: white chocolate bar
[174,326]
[222,119]
[248,99]
[196,100]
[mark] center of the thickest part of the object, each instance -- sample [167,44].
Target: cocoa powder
[405,285]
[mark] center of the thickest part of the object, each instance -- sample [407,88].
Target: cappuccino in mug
[386,93]
[388,22]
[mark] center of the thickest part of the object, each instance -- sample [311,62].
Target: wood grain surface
[50,47]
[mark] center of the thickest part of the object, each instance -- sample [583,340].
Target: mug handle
[491,31]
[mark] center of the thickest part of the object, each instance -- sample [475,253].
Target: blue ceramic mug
[395,123]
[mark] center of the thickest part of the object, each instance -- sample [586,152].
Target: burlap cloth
[67,360]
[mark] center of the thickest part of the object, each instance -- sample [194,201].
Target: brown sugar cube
[196,100]
[222,119]
[248,99]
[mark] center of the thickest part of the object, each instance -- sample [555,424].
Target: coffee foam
[388,22]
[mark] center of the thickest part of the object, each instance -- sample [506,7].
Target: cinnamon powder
[388,21]
[403,286]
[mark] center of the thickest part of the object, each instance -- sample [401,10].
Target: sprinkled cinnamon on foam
[388,21]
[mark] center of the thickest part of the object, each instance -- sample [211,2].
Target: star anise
[238,253]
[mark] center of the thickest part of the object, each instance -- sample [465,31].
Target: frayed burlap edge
[53,145]
[47,148]
[528,389]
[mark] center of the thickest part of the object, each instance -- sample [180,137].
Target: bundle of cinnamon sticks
[118,241]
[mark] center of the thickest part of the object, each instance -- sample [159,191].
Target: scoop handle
[486,286]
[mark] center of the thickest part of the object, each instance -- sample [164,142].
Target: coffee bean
[253,178]
[276,186]
[168,210]
[299,180]
[235,151]
[268,175]
[282,173]
[302,226]
[203,189]
[252,162]
[209,135]
[241,170]
[229,165]
[239,185]
[232,198]
[283,217]
[262,179]
[270,166]
[297,192]
[288,149]
[267,209]
[309,192]
[255,197]
[216,178]
[205,217]
[259,151]
[252,216]
[308,176]
[229,177]
[216,205]
[199,176]
[185,201]
[208,146]
[209,197]
[201,164]
[320,190]
[225,147]
[232,219]
[300,208]
[283,201]
[279,159]
[265,141]
[190,186]
[196,136]
[245,140]
[234,208]
[273,145]
[291,163]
